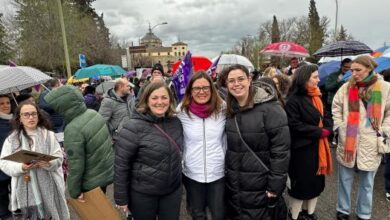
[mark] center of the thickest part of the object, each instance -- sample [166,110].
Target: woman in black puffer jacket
[252,189]
[147,179]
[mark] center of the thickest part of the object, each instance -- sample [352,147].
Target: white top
[204,146]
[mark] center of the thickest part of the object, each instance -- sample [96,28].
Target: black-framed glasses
[29,114]
[203,88]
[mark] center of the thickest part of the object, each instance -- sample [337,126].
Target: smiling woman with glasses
[203,118]
[43,195]
[258,142]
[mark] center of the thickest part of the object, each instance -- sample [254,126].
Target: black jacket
[146,161]
[5,130]
[264,128]
[303,119]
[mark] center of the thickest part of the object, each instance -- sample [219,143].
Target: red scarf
[324,156]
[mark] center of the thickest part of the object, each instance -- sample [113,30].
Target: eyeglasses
[29,114]
[239,80]
[204,89]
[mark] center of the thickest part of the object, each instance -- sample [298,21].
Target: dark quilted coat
[264,128]
[87,141]
[145,160]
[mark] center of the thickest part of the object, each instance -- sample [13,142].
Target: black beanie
[159,67]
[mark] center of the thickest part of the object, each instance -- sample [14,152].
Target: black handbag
[276,206]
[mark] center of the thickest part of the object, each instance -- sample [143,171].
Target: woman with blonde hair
[361,115]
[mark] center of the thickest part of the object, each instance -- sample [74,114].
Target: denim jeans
[387,173]
[148,207]
[202,195]
[364,195]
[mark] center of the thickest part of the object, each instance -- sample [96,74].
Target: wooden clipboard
[95,207]
[26,156]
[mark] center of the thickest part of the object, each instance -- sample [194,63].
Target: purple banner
[182,76]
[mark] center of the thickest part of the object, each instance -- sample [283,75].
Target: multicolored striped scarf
[324,156]
[369,91]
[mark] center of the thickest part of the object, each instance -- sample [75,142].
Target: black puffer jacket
[264,128]
[146,159]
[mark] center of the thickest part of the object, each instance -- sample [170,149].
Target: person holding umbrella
[361,115]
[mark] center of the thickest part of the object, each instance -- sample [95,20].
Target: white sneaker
[388,197]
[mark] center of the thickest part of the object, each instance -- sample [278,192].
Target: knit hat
[159,67]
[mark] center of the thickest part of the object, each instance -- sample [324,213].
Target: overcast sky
[210,26]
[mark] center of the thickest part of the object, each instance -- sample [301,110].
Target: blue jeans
[364,195]
[387,173]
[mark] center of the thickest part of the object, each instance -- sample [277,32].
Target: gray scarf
[44,195]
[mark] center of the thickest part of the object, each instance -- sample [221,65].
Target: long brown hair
[143,106]
[215,102]
[230,98]
[18,127]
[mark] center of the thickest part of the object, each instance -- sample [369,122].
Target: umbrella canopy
[17,78]
[72,80]
[227,60]
[131,73]
[105,86]
[99,70]
[326,69]
[285,49]
[198,63]
[383,63]
[380,51]
[343,48]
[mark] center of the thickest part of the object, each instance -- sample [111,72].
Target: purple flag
[182,76]
[212,71]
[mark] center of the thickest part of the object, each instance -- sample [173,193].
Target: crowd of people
[233,145]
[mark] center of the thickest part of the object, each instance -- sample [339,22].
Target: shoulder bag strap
[247,146]
[167,136]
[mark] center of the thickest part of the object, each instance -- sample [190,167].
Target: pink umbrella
[285,49]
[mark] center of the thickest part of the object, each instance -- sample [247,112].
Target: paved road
[327,201]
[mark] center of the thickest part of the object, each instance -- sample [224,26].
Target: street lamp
[337,13]
[151,29]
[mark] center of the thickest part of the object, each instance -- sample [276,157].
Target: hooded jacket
[86,140]
[115,110]
[264,127]
[146,161]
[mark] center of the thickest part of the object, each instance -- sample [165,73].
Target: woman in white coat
[203,118]
[361,115]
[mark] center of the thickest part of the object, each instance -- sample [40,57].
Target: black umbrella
[343,48]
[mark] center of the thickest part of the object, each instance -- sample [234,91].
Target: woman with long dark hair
[258,142]
[310,155]
[43,196]
[203,118]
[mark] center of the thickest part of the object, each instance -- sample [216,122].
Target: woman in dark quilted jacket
[147,180]
[258,144]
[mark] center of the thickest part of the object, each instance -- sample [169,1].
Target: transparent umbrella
[14,79]
[227,60]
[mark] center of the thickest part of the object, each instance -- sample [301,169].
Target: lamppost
[337,13]
[61,15]
[151,29]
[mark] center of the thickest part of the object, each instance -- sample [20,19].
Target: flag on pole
[212,71]
[182,76]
